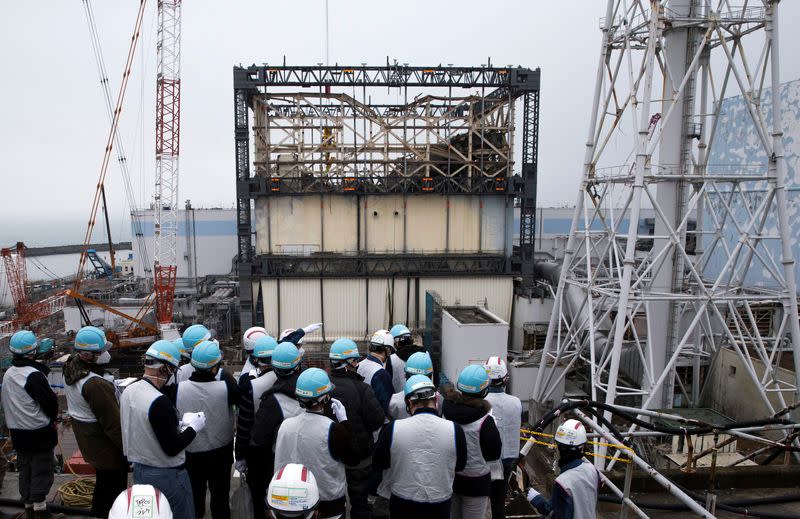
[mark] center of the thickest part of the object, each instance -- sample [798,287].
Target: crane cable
[109,143]
[121,156]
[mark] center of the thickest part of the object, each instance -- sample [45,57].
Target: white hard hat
[496,368]
[293,490]
[251,335]
[140,501]
[382,337]
[286,332]
[571,433]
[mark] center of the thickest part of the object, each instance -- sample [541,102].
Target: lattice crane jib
[168,104]
[639,311]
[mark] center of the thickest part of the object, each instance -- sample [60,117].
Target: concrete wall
[465,344]
[528,311]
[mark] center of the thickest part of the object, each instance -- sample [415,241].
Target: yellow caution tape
[614,445]
[587,453]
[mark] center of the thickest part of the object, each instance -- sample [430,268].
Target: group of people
[376,428]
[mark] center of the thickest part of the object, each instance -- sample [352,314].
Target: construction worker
[210,455]
[153,439]
[320,439]
[31,407]
[94,409]
[192,336]
[404,348]
[249,338]
[140,501]
[277,404]
[293,493]
[467,406]
[365,417]
[420,455]
[251,386]
[575,490]
[373,368]
[507,412]
[419,363]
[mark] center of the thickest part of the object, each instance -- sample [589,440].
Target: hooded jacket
[464,411]
[100,442]
[363,411]
[268,420]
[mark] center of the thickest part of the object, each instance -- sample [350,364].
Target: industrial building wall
[356,307]
[210,237]
[382,224]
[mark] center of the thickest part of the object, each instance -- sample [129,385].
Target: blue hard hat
[264,347]
[286,356]
[181,347]
[420,363]
[313,383]
[419,384]
[164,351]
[343,349]
[22,342]
[473,380]
[90,338]
[399,329]
[45,345]
[194,335]
[206,355]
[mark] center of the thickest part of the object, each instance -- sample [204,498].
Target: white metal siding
[496,291]
[384,227]
[426,223]
[344,308]
[340,223]
[463,224]
[299,300]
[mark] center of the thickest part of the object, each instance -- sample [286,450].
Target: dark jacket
[244,416]
[364,414]
[38,387]
[100,442]
[267,421]
[465,410]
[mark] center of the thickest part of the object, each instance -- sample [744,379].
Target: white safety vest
[476,465]
[248,366]
[507,413]
[185,371]
[367,369]
[77,406]
[581,483]
[304,439]
[139,442]
[423,458]
[22,411]
[260,386]
[398,372]
[212,399]
[289,406]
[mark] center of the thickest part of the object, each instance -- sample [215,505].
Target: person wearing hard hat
[373,367]
[293,493]
[210,455]
[251,386]
[320,439]
[365,418]
[192,336]
[467,407]
[94,409]
[424,440]
[295,335]
[249,338]
[153,438]
[140,501]
[575,490]
[404,348]
[419,363]
[276,405]
[31,407]
[507,411]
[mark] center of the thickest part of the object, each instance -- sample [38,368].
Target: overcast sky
[53,124]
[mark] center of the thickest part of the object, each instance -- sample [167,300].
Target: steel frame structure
[675,305]
[168,123]
[453,136]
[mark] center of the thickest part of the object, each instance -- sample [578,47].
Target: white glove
[240,466]
[196,422]
[312,327]
[338,410]
[532,494]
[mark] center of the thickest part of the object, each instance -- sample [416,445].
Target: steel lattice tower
[657,303]
[168,123]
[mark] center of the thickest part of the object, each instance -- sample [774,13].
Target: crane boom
[168,108]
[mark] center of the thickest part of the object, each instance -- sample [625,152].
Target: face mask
[104,358]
